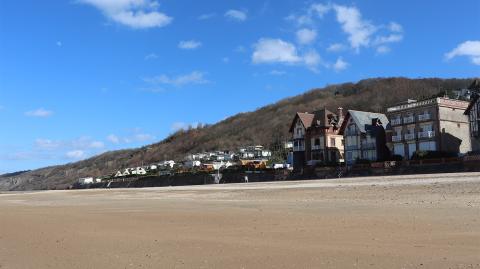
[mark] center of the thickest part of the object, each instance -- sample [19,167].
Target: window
[317,142]
[332,142]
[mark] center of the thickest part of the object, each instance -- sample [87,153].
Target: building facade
[473,112]
[316,138]
[436,124]
[366,136]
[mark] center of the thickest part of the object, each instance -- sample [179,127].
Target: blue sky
[81,77]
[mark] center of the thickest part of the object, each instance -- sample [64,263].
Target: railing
[424,117]
[426,134]
[298,136]
[351,133]
[409,136]
[352,147]
[299,148]
[368,145]
[396,121]
[397,138]
[408,120]
[316,147]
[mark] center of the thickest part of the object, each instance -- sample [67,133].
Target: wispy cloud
[336,47]
[306,36]
[151,56]
[59,43]
[340,65]
[132,13]
[206,16]
[195,77]
[470,49]
[39,113]
[189,44]
[236,15]
[76,154]
[268,51]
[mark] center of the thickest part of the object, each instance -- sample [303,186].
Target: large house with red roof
[316,138]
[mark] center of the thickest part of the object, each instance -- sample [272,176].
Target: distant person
[246,179]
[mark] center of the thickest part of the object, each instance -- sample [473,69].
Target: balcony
[316,147]
[368,145]
[409,136]
[426,134]
[352,147]
[351,133]
[396,121]
[299,148]
[298,136]
[424,117]
[410,119]
[397,138]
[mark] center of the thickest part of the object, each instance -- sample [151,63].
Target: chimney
[340,113]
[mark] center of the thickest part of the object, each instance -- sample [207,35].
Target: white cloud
[269,50]
[470,49]
[47,144]
[113,139]
[189,44]
[206,16]
[336,47]
[41,113]
[236,15]
[359,31]
[133,13]
[312,59]
[395,27]
[143,137]
[392,38]
[383,49]
[151,56]
[306,36]
[195,77]
[340,65]
[76,154]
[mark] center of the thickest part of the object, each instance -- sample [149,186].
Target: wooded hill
[258,127]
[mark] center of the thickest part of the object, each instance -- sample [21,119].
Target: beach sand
[418,221]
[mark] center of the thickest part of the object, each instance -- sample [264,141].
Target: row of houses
[438,124]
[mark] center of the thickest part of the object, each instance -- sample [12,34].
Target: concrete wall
[454,130]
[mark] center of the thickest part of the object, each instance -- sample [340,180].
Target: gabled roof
[363,120]
[323,117]
[306,119]
[319,118]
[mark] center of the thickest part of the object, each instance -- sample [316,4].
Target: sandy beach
[418,221]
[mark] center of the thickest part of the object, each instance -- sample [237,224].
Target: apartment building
[473,112]
[436,124]
[316,139]
[366,136]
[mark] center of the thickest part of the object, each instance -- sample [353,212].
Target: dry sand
[423,221]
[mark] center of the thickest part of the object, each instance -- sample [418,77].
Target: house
[436,124]
[473,112]
[316,138]
[86,180]
[366,136]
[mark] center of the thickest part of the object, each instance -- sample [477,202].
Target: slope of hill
[257,127]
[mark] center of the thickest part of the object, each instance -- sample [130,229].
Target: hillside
[257,127]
